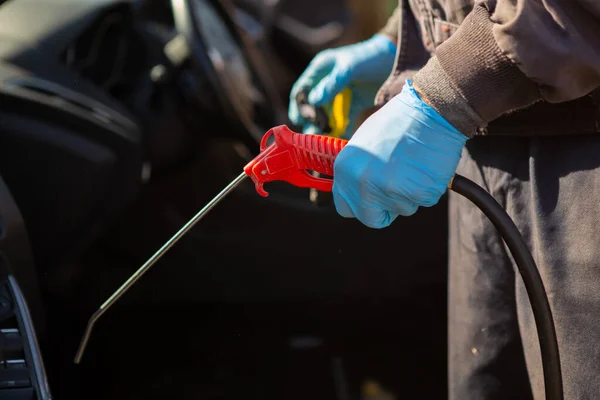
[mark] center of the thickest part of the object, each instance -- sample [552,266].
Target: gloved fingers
[375,218]
[372,217]
[404,207]
[319,67]
[294,113]
[342,204]
[332,84]
[311,129]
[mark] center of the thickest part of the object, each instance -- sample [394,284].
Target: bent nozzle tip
[86,337]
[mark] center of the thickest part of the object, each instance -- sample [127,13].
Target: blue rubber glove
[399,159]
[362,67]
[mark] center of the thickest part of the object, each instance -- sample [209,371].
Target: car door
[22,372]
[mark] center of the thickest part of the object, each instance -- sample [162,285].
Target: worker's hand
[362,67]
[402,157]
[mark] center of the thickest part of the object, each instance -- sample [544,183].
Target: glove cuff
[410,95]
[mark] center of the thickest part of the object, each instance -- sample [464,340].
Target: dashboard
[34,34]
[71,151]
[93,106]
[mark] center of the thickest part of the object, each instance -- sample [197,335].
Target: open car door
[22,373]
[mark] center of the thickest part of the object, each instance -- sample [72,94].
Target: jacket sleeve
[508,54]
[391,27]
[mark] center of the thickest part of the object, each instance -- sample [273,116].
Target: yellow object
[339,113]
[372,390]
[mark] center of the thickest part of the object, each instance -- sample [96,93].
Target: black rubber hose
[531,277]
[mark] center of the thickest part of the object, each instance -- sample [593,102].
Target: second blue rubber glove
[401,158]
[362,67]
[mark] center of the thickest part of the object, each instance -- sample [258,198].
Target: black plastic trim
[31,346]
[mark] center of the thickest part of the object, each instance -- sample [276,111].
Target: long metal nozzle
[151,261]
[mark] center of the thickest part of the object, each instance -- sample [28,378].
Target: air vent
[109,53]
[22,375]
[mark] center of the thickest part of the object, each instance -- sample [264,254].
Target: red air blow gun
[290,156]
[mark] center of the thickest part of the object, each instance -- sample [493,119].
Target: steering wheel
[227,59]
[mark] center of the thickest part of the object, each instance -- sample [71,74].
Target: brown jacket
[478,61]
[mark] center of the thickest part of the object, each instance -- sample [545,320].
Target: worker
[502,92]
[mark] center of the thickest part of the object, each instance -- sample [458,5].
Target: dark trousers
[550,186]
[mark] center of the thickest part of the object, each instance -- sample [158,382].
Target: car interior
[119,120]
